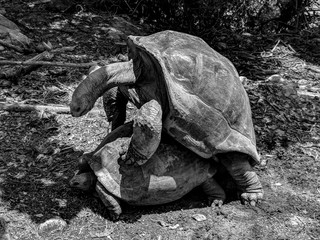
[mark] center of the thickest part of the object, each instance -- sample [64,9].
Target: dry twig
[8,45]
[36,62]
[46,63]
[21,107]
[13,74]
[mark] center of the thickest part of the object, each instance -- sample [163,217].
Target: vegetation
[274,44]
[196,16]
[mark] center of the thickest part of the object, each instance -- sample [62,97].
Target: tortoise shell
[209,110]
[168,175]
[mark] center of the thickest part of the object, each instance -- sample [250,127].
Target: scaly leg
[146,136]
[215,193]
[248,183]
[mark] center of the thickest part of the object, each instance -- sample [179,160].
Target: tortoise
[168,175]
[198,97]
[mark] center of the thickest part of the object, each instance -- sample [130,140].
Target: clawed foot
[245,177]
[251,198]
[250,187]
[215,203]
[133,158]
[215,193]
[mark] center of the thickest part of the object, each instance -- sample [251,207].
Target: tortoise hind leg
[111,202]
[215,193]
[237,164]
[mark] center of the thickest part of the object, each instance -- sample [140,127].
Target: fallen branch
[46,63]
[21,107]
[63,49]
[32,64]
[8,45]
[313,68]
[14,74]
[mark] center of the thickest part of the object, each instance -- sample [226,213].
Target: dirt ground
[39,150]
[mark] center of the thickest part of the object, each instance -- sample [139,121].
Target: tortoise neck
[115,74]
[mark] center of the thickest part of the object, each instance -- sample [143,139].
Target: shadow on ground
[36,169]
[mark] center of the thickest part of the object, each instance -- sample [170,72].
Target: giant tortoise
[199,100]
[169,174]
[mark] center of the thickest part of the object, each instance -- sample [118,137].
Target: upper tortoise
[199,101]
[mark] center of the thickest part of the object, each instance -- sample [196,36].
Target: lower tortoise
[170,173]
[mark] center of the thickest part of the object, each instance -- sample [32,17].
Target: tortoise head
[84,181]
[97,83]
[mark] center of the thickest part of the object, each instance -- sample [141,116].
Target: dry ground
[39,150]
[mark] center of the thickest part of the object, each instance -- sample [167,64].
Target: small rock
[174,226]
[199,217]
[275,78]
[222,45]
[303,82]
[1,48]
[295,221]
[246,34]
[51,225]
[243,80]
[164,224]
[40,156]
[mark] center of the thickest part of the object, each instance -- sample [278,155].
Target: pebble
[247,34]
[164,224]
[275,78]
[199,217]
[52,225]
[243,80]
[222,45]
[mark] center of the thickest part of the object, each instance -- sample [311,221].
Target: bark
[21,107]
[46,63]
[34,63]
[14,74]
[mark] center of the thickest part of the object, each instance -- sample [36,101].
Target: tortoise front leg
[115,104]
[146,136]
[215,193]
[248,183]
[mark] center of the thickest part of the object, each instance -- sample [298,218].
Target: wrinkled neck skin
[112,75]
[98,82]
